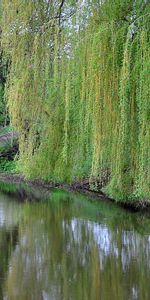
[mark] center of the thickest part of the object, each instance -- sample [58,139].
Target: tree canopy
[78,90]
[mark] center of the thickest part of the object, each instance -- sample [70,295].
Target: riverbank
[82,186]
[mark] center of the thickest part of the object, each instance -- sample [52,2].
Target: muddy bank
[134,206]
[20,179]
[82,186]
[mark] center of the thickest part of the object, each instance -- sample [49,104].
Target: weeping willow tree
[78,90]
[3,113]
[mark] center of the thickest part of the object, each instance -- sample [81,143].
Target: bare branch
[60,10]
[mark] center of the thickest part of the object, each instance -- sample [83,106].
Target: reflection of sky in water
[9,212]
[81,238]
[128,245]
[84,246]
[5,214]
[57,247]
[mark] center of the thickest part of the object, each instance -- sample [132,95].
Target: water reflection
[71,249]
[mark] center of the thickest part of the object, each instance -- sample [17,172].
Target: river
[69,247]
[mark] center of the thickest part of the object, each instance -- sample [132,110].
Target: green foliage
[6,130]
[7,166]
[2,106]
[78,90]
[8,188]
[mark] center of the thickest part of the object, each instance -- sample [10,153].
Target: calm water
[71,248]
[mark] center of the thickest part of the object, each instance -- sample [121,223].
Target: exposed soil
[20,179]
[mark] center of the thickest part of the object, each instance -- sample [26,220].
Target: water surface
[69,247]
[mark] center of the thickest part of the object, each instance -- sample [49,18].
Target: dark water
[71,248]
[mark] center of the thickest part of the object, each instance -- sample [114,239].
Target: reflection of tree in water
[8,240]
[63,256]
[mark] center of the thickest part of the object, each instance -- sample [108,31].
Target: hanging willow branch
[80,98]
